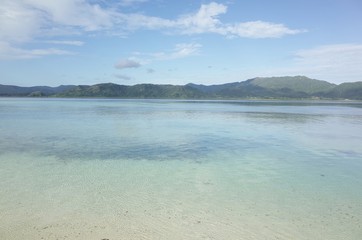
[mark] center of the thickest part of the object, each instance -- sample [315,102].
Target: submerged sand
[122,199]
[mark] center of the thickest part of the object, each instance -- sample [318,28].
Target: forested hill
[37,91]
[297,87]
[112,90]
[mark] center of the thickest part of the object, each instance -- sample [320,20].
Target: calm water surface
[162,169]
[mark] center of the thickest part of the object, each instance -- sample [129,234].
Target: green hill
[295,84]
[37,91]
[346,91]
[137,91]
[273,87]
[297,87]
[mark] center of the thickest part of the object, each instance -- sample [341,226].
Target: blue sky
[127,42]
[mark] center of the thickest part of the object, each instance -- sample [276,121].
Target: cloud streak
[137,59]
[12,53]
[260,29]
[181,50]
[131,2]
[71,43]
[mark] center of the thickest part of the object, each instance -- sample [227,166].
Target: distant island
[296,87]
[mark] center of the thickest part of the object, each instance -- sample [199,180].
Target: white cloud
[18,22]
[185,49]
[74,13]
[7,52]
[259,29]
[23,21]
[127,63]
[181,50]
[139,21]
[205,20]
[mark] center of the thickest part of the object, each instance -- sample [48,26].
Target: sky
[84,42]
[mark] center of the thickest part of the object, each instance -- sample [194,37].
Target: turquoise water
[162,169]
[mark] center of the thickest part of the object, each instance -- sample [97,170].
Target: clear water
[160,169]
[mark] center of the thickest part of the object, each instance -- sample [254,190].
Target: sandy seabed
[52,199]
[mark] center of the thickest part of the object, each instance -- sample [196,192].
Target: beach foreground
[107,170]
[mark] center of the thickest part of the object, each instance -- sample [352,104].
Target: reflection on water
[159,169]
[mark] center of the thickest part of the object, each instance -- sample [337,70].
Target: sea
[115,169]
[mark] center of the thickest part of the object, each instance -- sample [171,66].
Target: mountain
[297,87]
[346,91]
[274,87]
[137,91]
[38,91]
[296,84]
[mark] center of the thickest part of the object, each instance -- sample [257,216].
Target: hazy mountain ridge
[297,87]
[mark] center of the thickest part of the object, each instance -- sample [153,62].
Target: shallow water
[161,169]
